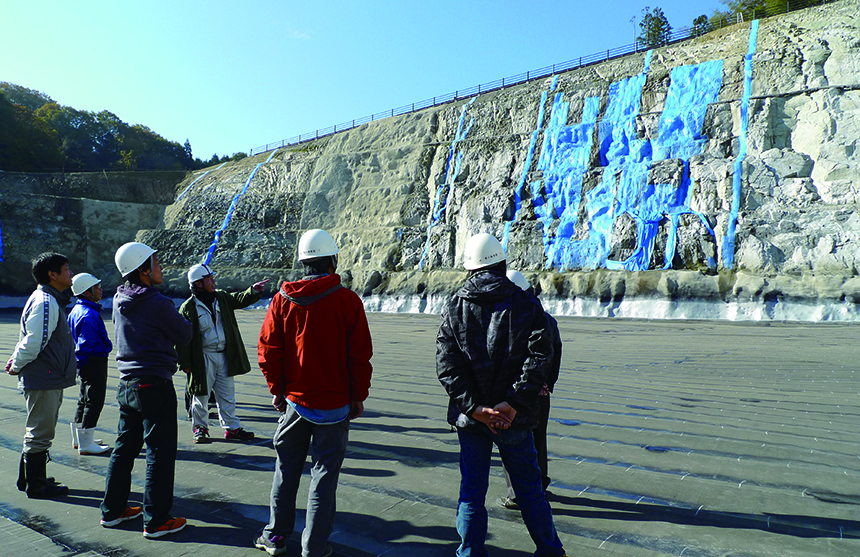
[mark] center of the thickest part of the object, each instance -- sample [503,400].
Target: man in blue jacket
[92,347]
[148,327]
[44,361]
[493,350]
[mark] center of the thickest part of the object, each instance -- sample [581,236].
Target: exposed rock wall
[724,168]
[618,180]
[85,216]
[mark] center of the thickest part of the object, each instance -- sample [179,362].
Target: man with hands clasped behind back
[493,351]
[44,361]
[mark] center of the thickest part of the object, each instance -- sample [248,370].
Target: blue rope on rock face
[729,240]
[518,191]
[229,215]
[198,179]
[1,243]
[447,187]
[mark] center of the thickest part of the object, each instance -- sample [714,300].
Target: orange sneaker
[130,513]
[169,527]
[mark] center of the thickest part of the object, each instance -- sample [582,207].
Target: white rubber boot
[87,445]
[74,427]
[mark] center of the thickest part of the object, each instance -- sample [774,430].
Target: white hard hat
[316,243]
[517,278]
[132,255]
[82,282]
[482,250]
[198,272]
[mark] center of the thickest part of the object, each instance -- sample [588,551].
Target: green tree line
[38,134]
[655,30]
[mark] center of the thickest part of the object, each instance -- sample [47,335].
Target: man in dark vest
[44,361]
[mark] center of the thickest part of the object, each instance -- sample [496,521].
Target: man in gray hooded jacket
[44,361]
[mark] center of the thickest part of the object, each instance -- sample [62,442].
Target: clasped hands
[500,416]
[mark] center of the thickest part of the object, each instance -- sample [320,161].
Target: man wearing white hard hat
[216,352]
[92,347]
[315,351]
[493,352]
[539,433]
[148,328]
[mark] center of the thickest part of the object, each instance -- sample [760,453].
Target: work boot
[22,475]
[39,486]
[88,446]
[74,427]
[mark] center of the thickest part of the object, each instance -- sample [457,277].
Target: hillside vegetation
[39,135]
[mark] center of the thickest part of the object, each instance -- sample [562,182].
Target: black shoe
[238,434]
[201,435]
[508,503]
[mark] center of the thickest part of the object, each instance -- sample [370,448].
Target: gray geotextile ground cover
[666,438]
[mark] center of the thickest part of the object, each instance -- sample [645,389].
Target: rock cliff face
[84,216]
[721,169]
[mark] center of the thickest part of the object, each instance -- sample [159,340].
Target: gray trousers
[225,394]
[294,439]
[43,410]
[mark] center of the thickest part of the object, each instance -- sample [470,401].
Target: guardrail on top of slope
[679,35]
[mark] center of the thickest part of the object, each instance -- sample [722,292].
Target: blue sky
[231,76]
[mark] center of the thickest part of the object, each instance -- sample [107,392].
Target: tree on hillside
[39,134]
[701,25]
[30,98]
[745,6]
[754,9]
[26,142]
[654,27]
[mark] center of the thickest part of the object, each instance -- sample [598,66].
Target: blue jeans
[147,412]
[293,438]
[517,450]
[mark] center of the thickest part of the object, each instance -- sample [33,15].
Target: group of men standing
[496,349]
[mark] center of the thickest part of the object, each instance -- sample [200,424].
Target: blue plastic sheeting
[198,179]
[439,205]
[729,240]
[229,215]
[624,186]
[564,159]
[518,192]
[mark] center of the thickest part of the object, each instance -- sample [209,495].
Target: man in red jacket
[315,351]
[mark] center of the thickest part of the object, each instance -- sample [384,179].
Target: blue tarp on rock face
[626,159]
[446,189]
[518,191]
[564,159]
[729,240]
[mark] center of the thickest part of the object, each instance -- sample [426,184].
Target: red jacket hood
[307,288]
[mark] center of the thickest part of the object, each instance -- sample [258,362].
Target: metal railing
[714,23]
